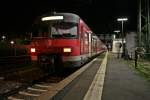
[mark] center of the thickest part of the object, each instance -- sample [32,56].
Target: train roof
[68,17]
[67,14]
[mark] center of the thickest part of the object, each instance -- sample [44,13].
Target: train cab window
[64,30]
[55,30]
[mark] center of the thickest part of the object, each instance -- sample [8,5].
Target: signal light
[32,50]
[67,50]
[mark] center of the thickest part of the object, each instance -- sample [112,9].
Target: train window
[55,30]
[64,30]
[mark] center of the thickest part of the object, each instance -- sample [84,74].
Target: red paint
[55,46]
[86,43]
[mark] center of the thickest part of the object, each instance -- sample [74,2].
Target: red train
[64,40]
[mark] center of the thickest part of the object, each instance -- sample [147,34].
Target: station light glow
[67,50]
[122,19]
[117,31]
[114,36]
[3,37]
[12,42]
[52,18]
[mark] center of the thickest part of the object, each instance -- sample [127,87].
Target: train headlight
[32,50]
[67,50]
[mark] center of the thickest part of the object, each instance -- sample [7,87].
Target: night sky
[100,15]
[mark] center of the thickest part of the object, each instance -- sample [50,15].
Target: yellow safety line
[95,90]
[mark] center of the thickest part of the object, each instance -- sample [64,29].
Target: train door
[96,45]
[86,43]
[81,41]
[90,44]
[93,45]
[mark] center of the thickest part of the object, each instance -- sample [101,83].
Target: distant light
[52,18]
[12,42]
[117,31]
[122,19]
[114,36]
[3,37]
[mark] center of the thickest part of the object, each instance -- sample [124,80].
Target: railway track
[34,91]
[29,87]
[11,90]
[10,87]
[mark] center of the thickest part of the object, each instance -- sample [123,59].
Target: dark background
[100,15]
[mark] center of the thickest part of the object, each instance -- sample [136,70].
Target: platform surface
[124,83]
[78,88]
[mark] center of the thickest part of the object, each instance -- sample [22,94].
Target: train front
[56,41]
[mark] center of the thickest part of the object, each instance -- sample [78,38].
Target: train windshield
[64,30]
[56,30]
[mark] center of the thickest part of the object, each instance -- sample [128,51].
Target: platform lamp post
[117,31]
[122,20]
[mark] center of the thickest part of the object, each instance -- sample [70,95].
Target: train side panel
[90,43]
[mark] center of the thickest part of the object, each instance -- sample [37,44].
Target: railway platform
[112,80]
[124,83]
[104,78]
